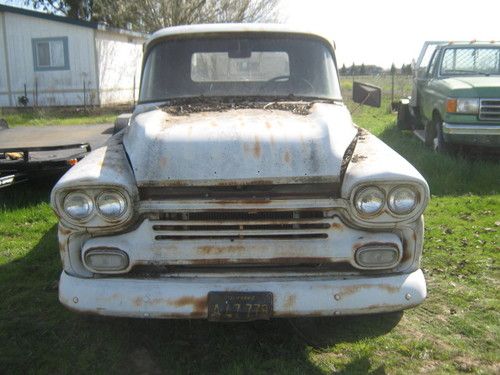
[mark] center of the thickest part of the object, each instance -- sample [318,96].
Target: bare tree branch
[151,15]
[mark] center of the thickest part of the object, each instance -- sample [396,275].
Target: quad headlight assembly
[94,207]
[396,202]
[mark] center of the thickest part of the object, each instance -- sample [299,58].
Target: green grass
[455,330]
[61,116]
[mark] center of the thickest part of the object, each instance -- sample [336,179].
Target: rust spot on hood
[257,149]
[287,157]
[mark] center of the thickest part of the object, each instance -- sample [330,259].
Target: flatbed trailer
[29,152]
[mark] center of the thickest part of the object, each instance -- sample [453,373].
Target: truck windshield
[233,66]
[471,60]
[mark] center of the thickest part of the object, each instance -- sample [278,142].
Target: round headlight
[369,200]
[402,200]
[111,205]
[78,206]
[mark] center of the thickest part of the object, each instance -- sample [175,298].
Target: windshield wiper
[202,99]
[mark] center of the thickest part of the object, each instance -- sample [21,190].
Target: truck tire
[405,119]
[430,132]
[440,145]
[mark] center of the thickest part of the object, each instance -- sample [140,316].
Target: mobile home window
[50,54]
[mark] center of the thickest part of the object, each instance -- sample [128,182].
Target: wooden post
[392,86]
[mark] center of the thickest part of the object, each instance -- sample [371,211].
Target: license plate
[239,306]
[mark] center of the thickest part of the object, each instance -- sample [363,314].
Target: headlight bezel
[95,219]
[390,197]
[100,211]
[363,190]
[385,215]
[80,194]
[463,106]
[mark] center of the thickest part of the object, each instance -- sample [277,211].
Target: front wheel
[439,143]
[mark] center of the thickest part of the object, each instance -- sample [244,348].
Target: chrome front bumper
[463,129]
[183,297]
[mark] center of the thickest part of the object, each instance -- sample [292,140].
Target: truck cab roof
[221,28]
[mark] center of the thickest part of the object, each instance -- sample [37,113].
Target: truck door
[420,77]
[426,95]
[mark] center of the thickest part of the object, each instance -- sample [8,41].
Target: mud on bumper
[292,297]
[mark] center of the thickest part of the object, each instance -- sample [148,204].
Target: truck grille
[489,109]
[240,225]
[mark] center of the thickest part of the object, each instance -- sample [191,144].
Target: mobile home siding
[51,87]
[119,60]
[4,84]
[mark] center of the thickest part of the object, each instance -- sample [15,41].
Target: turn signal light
[106,260]
[451,105]
[377,256]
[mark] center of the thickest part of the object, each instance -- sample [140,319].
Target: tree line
[151,15]
[359,70]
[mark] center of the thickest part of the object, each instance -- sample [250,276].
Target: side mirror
[363,93]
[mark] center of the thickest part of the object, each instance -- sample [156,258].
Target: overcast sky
[385,31]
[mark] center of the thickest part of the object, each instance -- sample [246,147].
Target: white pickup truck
[240,189]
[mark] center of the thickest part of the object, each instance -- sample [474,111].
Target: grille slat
[235,227]
[489,109]
[241,225]
[223,216]
[243,236]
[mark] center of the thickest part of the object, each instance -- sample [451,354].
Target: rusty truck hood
[239,146]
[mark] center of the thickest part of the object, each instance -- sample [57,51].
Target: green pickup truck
[456,95]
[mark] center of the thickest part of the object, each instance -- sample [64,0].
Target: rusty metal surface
[217,243]
[239,147]
[187,297]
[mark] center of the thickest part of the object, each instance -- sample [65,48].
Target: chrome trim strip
[462,129]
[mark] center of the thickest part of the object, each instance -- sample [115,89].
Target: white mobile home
[48,60]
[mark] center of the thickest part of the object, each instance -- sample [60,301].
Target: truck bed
[30,151]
